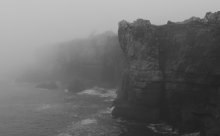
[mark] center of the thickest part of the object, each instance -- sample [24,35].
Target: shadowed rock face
[173,72]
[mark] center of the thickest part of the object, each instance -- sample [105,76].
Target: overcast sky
[25,24]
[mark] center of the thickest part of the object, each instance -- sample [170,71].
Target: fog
[64,73]
[28,24]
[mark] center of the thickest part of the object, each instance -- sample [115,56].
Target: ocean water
[29,111]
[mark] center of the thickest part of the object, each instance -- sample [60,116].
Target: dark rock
[212,17]
[173,72]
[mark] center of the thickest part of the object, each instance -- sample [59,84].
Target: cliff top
[210,18]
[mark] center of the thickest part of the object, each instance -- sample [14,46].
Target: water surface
[29,111]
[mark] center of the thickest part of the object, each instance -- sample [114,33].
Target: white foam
[108,110]
[64,134]
[99,92]
[44,107]
[162,128]
[88,121]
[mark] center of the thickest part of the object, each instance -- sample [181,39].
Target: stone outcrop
[173,72]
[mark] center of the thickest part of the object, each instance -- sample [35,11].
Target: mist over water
[28,24]
[61,62]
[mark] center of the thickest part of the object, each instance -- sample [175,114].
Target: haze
[27,24]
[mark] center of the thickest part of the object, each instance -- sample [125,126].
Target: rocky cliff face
[78,64]
[173,72]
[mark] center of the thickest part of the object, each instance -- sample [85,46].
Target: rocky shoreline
[172,74]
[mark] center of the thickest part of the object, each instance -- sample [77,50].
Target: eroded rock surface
[173,72]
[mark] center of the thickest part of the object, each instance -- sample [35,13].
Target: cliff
[173,72]
[96,60]
[79,64]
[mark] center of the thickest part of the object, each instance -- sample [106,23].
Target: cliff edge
[173,72]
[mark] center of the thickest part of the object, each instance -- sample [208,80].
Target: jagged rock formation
[173,72]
